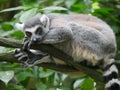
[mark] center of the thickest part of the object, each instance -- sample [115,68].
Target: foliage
[37,78]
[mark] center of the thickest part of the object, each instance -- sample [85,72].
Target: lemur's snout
[35,40]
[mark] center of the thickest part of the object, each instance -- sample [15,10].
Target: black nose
[35,40]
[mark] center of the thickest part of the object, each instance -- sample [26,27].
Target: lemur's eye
[39,31]
[29,34]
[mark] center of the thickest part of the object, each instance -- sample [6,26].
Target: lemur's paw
[20,55]
[35,59]
[26,64]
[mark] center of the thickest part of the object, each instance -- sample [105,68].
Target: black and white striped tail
[110,76]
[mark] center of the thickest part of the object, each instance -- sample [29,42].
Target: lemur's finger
[19,54]
[25,64]
[23,58]
[16,51]
[29,44]
[25,45]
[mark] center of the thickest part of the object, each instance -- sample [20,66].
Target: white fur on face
[19,26]
[32,30]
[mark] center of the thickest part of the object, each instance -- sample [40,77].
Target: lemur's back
[92,39]
[85,20]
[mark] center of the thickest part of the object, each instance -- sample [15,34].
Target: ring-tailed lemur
[84,37]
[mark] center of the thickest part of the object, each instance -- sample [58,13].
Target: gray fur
[84,37]
[85,32]
[33,22]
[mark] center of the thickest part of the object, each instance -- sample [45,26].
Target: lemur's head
[35,28]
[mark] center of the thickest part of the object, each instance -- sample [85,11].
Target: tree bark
[9,57]
[71,68]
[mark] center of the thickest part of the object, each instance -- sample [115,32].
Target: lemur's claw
[26,64]
[16,51]
[20,55]
[25,45]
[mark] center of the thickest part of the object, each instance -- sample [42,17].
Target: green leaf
[36,71]
[4,49]
[17,34]
[30,3]
[45,74]
[53,8]
[41,86]
[7,34]
[12,9]
[88,84]
[23,75]
[57,2]
[105,11]
[95,5]
[69,3]
[28,14]
[6,26]
[14,87]
[65,88]
[3,0]
[78,83]
[6,76]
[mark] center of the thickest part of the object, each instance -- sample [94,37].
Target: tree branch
[72,67]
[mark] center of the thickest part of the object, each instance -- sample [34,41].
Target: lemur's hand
[22,56]
[26,44]
[28,58]
[22,53]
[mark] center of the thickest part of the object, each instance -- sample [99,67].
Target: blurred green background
[13,77]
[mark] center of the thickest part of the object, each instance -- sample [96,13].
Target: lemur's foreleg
[21,54]
[26,45]
[57,35]
[26,56]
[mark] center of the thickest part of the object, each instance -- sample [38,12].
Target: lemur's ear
[19,26]
[45,21]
